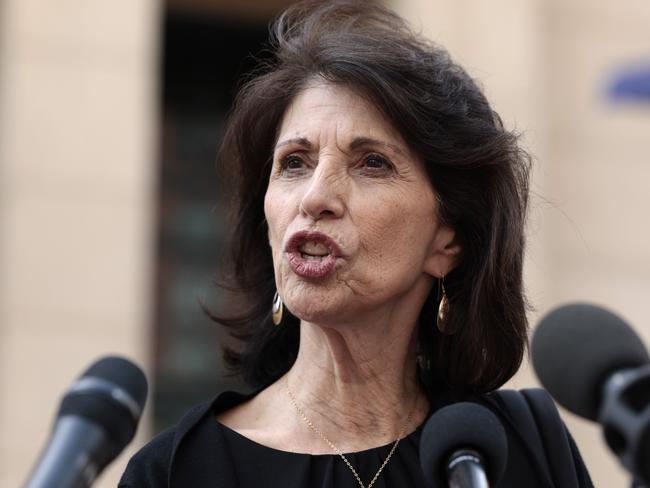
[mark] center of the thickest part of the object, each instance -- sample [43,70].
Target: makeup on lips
[312,254]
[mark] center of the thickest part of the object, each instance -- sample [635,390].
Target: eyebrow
[367,141]
[301,141]
[357,143]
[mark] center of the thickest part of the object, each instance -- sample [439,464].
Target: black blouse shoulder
[189,454]
[149,466]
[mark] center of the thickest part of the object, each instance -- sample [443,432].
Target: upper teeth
[314,248]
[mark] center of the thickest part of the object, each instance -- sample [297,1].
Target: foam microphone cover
[109,408]
[462,426]
[576,348]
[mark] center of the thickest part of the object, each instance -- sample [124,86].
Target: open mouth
[312,254]
[314,250]
[313,245]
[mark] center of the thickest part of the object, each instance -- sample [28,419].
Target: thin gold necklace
[317,431]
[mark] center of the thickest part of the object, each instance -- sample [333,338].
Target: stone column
[77,178]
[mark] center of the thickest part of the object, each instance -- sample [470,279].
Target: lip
[312,268]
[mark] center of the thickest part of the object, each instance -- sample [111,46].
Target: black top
[256,462]
[200,452]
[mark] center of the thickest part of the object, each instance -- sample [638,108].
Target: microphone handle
[73,457]
[465,470]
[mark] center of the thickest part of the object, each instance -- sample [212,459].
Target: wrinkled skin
[340,168]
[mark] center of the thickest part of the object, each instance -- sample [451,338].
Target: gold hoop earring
[277,309]
[443,305]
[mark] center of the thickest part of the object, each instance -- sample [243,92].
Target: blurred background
[112,219]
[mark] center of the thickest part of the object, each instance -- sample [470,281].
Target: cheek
[277,216]
[270,214]
[398,233]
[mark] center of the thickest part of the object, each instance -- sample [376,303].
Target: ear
[444,252]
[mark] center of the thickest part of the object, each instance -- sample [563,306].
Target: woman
[379,243]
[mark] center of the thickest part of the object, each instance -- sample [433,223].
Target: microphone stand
[465,470]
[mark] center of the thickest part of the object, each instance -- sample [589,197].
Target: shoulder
[260,417]
[149,466]
[174,450]
[535,430]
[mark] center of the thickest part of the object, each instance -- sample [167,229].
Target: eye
[377,163]
[291,164]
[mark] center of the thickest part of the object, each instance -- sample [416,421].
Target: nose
[324,196]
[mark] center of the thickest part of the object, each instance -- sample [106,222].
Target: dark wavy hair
[476,167]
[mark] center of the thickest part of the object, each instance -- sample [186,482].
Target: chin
[313,312]
[313,307]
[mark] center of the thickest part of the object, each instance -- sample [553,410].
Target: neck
[359,379]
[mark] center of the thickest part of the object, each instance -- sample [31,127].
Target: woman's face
[350,210]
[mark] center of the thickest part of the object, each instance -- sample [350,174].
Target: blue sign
[633,84]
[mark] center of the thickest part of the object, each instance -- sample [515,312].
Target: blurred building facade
[110,226]
[78,105]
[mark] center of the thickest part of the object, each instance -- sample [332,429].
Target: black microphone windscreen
[462,426]
[122,372]
[112,393]
[576,347]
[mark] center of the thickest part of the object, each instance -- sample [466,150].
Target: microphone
[97,418]
[595,365]
[463,445]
